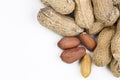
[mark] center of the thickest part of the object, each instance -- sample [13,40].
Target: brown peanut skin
[88,41]
[102,53]
[61,6]
[58,23]
[115,67]
[72,55]
[68,42]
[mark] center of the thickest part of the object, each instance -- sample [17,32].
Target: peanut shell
[84,13]
[61,6]
[102,53]
[115,43]
[60,24]
[115,68]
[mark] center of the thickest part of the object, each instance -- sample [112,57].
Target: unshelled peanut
[84,13]
[115,43]
[61,6]
[102,53]
[106,15]
[115,67]
[60,24]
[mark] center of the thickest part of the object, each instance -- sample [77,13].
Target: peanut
[88,41]
[61,6]
[115,68]
[84,13]
[104,10]
[115,43]
[105,13]
[68,42]
[86,65]
[96,28]
[60,24]
[102,54]
[72,55]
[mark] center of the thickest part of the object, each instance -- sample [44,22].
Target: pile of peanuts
[98,18]
[73,51]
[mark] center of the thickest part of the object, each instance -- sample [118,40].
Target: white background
[28,51]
